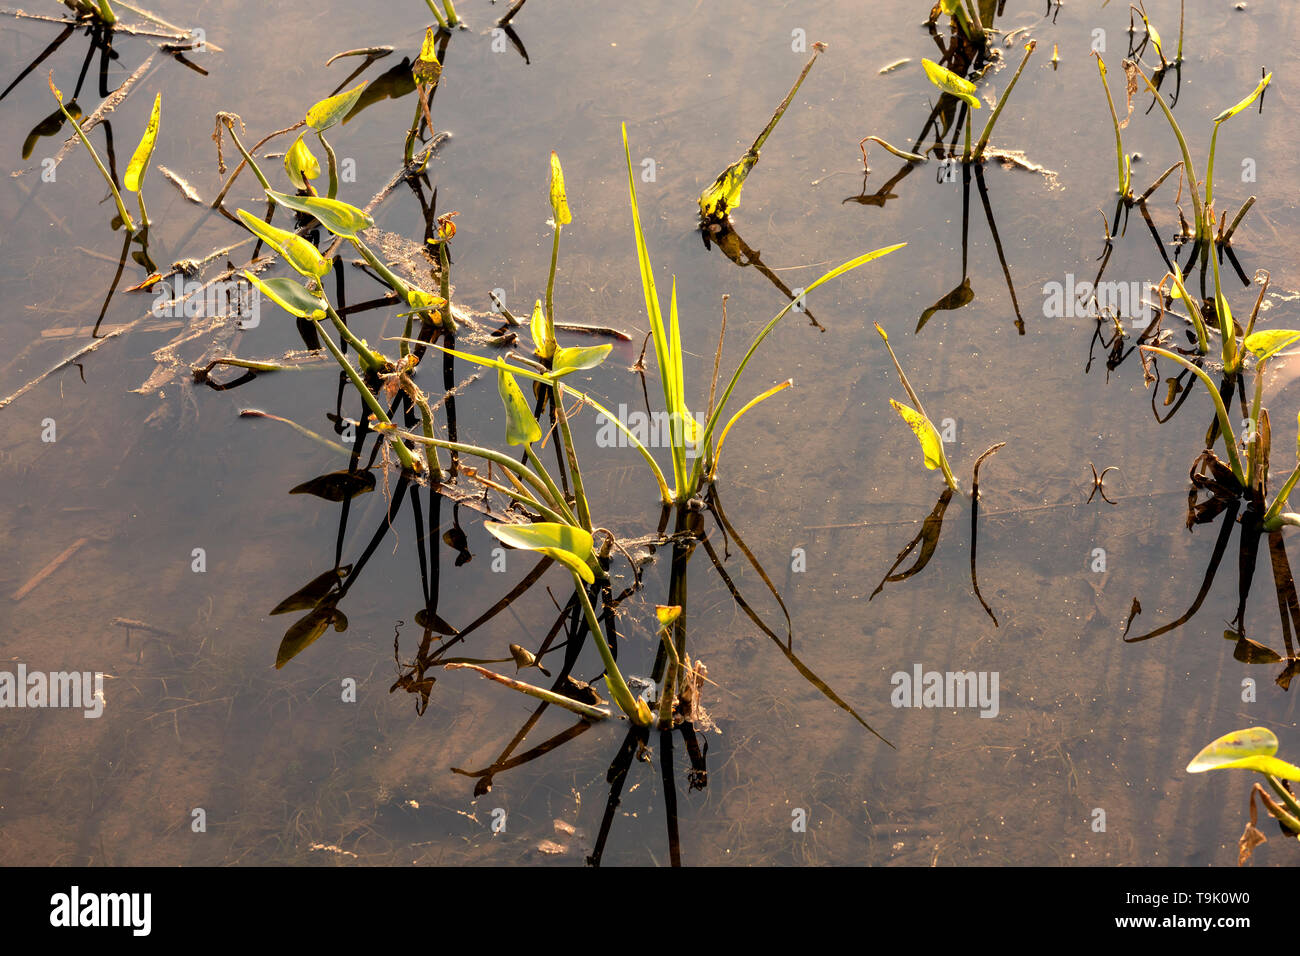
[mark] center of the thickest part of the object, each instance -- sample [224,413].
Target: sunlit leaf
[134,177]
[1250,749]
[331,110]
[335,215]
[559,199]
[543,335]
[667,614]
[1269,342]
[521,426]
[427,69]
[300,164]
[1234,110]
[579,358]
[289,295]
[297,251]
[718,201]
[931,443]
[567,544]
[950,82]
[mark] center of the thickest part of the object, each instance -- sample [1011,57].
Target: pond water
[1081,760]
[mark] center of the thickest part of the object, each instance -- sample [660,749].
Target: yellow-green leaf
[427,69]
[338,217]
[1269,342]
[579,358]
[300,164]
[559,200]
[543,335]
[134,177]
[297,251]
[569,545]
[667,614]
[521,426]
[1231,749]
[1234,110]
[931,443]
[718,201]
[950,82]
[290,296]
[331,110]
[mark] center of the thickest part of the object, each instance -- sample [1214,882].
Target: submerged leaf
[134,177]
[313,592]
[306,631]
[337,485]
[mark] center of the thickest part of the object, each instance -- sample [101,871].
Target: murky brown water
[198,717]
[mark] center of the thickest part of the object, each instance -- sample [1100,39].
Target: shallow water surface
[822,482]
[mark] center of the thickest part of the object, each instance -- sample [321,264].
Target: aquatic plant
[1254,749]
[723,196]
[134,179]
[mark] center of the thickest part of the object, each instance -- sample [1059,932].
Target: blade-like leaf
[569,545]
[559,199]
[297,251]
[134,177]
[521,426]
[290,296]
[335,215]
[950,82]
[579,358]
[331,110]
[931,443]
[1268,343]
[1234,110]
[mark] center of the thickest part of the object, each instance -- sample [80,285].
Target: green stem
[636,710]
[437,14]
[553,492]
[1002,101]
[127,221]
[372,403]
[1187,155]
[370,359]
[1293,824]
[571,453]
[550,286]
[1125,185]
[333,164]
[257,171]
